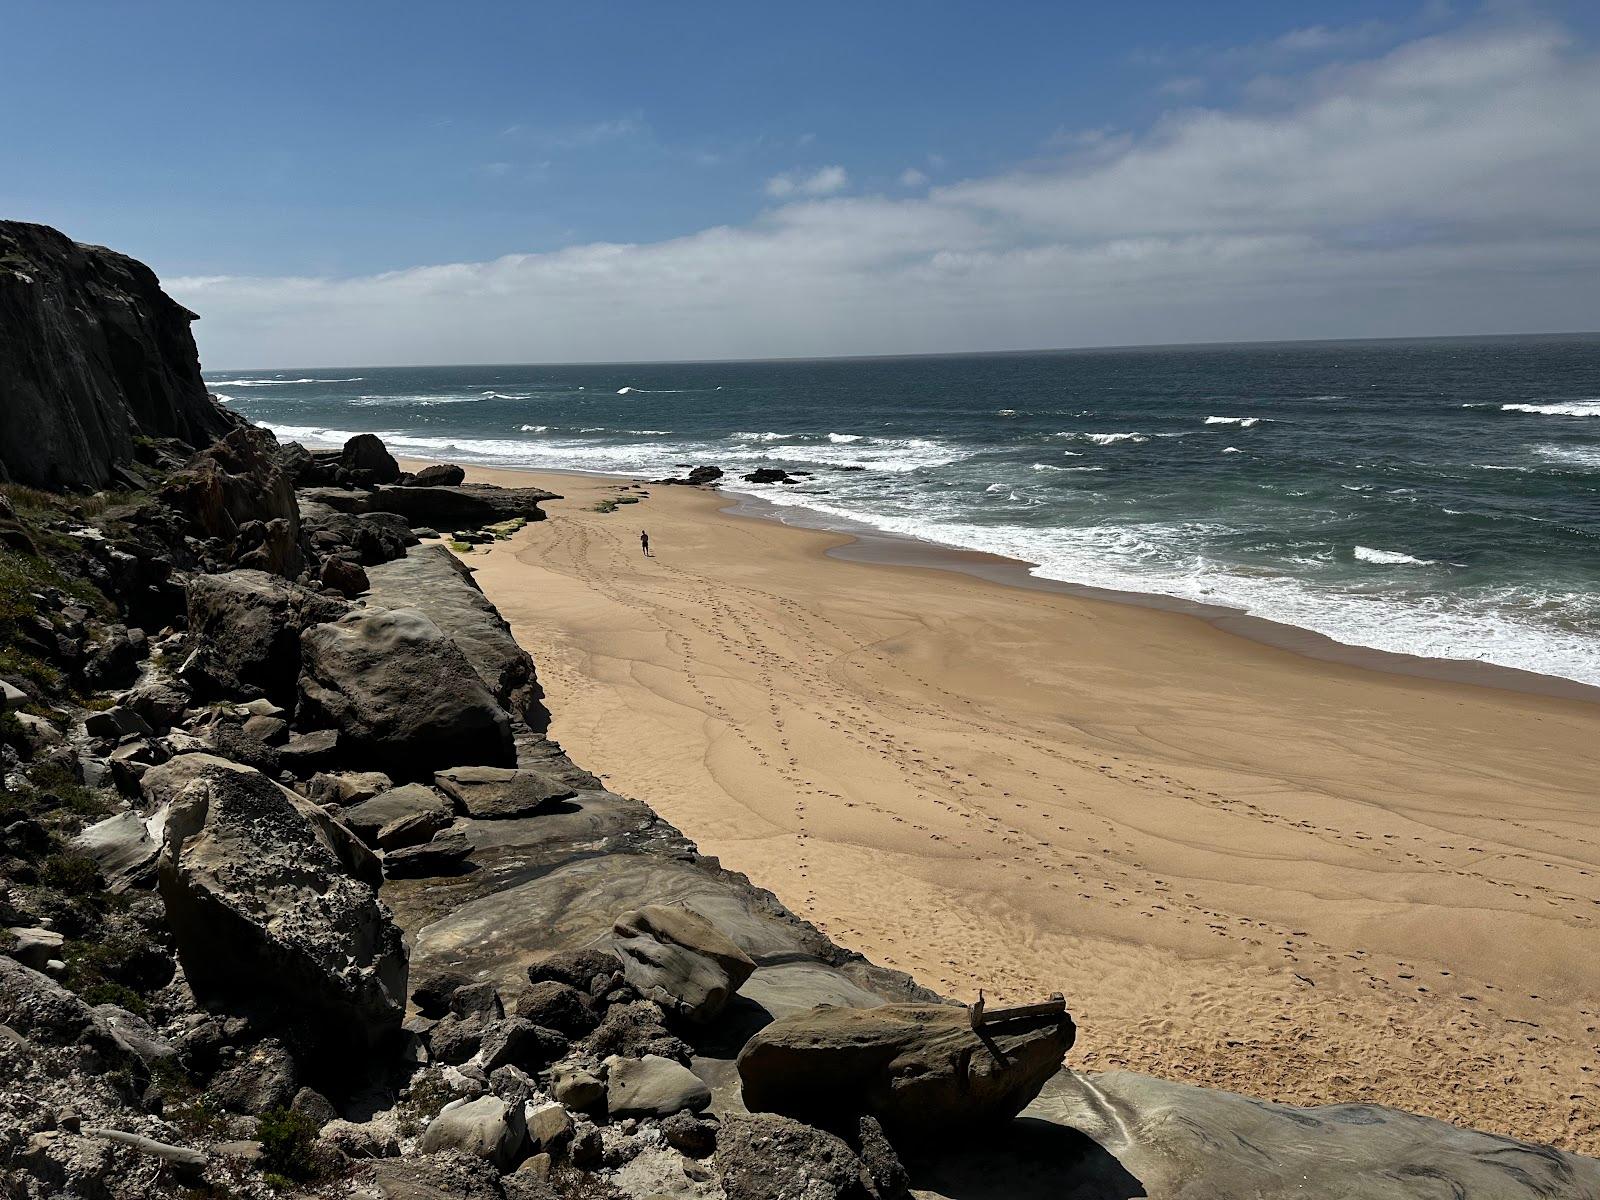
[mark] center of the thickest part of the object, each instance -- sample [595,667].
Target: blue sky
[817,179]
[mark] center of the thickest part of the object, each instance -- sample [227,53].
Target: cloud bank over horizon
[1446,186]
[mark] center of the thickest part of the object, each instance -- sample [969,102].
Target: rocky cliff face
[94,355]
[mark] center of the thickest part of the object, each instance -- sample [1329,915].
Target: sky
[365,184]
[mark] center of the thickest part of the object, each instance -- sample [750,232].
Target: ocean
[1438,497]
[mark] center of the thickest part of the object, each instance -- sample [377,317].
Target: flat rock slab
[501,793]
[463,506]
[444,855]
[400,817]
[433,580]
[121,846]
[1115,1135]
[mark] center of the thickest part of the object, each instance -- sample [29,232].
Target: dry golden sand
[1303,880]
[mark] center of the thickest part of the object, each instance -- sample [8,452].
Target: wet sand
[1249,868]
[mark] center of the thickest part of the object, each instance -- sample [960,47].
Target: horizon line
[889,357]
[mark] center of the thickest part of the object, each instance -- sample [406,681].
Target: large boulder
[95,355]
[653,1086]
[487,1128]
[244,631]
[432,579]
[368,459]
[680,960]
[920,1069]
[400,693]
[265,910]
[439,475]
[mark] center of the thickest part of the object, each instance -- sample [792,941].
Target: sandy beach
[1246,868]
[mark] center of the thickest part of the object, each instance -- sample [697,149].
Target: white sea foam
[1157,558]
[1105,439]
[841,438]
[1242,422]
[1564,408]
[1390,558]
[1005,412]
[1570,456]
[623,391]
[1232,450]
[534,428]
[416,399]
[745,436]
[275,382]
[508,395]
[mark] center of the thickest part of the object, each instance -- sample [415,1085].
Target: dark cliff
[93,354]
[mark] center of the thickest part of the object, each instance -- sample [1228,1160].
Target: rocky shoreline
[299,897]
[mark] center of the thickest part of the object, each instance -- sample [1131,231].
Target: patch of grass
[627,499]
[120,994]
[287,1144]
[459,547]
[199,1115]
[51,790]
[604,506]
[27,499]
[71,873]
[427,1096]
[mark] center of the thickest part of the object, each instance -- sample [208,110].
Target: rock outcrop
[266,908]
[244,632]
[93,356]
[460,506]
[237,492]
[680,960]
[921,1070]
[435,582]
[400,693]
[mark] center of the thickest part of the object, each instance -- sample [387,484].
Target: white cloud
[824,181]
[912,178]
[1446,186]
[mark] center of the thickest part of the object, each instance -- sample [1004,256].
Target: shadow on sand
[1028,1159]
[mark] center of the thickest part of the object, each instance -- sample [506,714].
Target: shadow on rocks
[1023,1160]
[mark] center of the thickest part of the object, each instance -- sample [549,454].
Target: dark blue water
[1436,497]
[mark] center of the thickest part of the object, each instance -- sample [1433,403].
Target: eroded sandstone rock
[264,907]
[918,1068]
[244,631]
[680,960]
[400,693]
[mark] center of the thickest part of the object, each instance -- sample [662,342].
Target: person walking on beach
[644,542]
